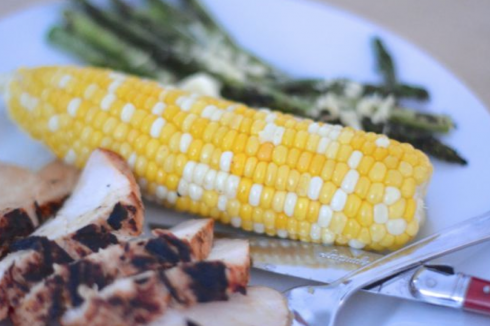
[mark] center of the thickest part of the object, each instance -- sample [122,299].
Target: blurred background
[454,32]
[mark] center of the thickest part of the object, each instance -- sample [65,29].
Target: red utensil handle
[478,296]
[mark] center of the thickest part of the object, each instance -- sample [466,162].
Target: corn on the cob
[259,170]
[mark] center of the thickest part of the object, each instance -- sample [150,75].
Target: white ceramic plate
[311,39]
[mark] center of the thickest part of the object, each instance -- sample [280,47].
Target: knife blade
[434,284]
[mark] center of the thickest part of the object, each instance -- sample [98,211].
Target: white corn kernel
[338,201]
[64,81]
[328,237]
[271,117]
[220,181]
[255,193]
[187,104]
[115,85]
[188,173]
[381,214]
[282,233]
[172,197]
[350,181]
[217,115]
[210,179]
[267,134]
[325,216]
[231,186]
[392,195]
[313,128]
[156,127]
[324,130]
[277,137]
[396,226]
[73,106]
[132,160]
[236,221]
[315,232]
[383,142]
[290,203]
[158,108]
[161,192]
[199,173]
[127,112]
[323,145]
[70,157]
[195,192]
[222,200]
[315,187]
[54,123]
[185,142]
[90,90]
[356,244]
[208,111]
[259,227]
[335,133]
[354,159]
[107,101]
[225,161]
[183,188]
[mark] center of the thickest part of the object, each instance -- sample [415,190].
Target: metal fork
[319,305]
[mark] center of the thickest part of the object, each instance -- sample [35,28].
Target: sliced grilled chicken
[145,297]
[105,204]
[260,307]
[48,299]
[27,198]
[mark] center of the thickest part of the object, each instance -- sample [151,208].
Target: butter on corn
[259,170]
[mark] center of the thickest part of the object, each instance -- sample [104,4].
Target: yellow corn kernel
[266,197]
[292,181]
[421,174]
[278,201]
[317,164]
[252,147]
[249,168]
[345,151]
[338,223]
[391,162]
[210,198]
[313,211]
[238,164]
[260,171]
[228,140]
[282,178]
[304,162]
[397,209]
[281,222]
[279,155]
[233,207]
[209,132]
[352,205]
[408,188]
[300,139]
[288,137]
[240,143]
[351,229]
[301,209]
[365,165]
[328,170]
[377,172]
[244,190]
[312,143]
[393,178]
[293,156]
[270,221]
[332,150]
[339,173]
[271,174]
[207,153]
[303,185]
[377,231]
[410,209]
[412,228]
[405,169]
[376,193]
[327,192]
